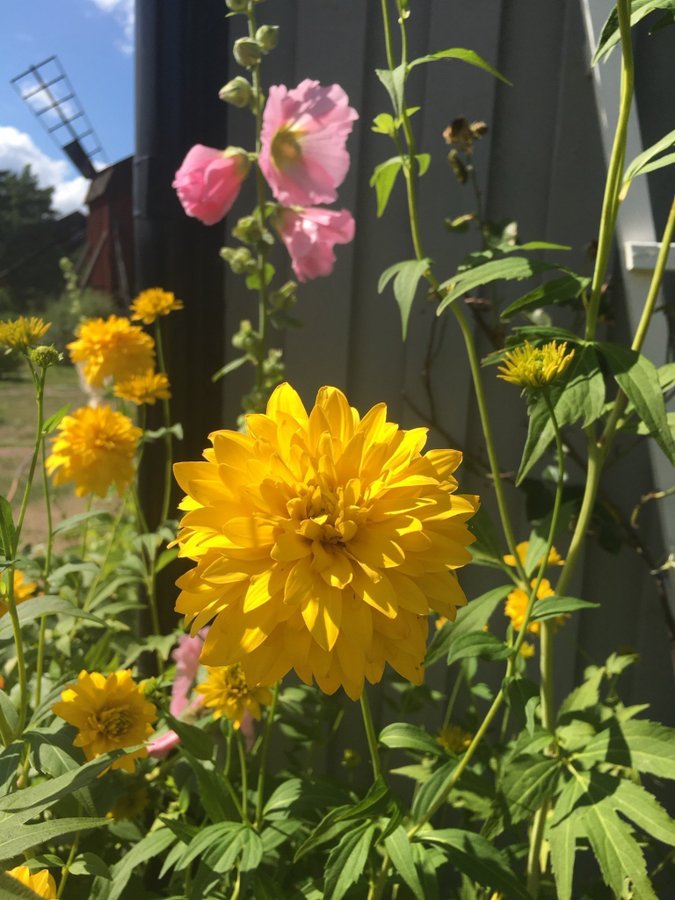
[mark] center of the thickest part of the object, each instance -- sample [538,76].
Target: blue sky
[94,42]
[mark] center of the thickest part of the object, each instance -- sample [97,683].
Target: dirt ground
[17,436]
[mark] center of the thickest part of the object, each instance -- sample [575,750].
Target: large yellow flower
[535,367]
[153,303]
[322,542]
[95,448]
[111,348]
[110,713]
[22,590]
[41,882]
[227,693]
[148,387]
[22,333]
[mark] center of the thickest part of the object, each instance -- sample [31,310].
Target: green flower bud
[239,259]
[248,230]
[45,355]
[268,37]
[237,92]
[237,5]
[247,52]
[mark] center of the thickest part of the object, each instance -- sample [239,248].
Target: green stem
[610,203]
[452,699]
[109,548]
[39,666]
[65,871]
[168,438]
[244,778]
[387,34]
[39,380]
[370,735]
[264,750]
[655,285]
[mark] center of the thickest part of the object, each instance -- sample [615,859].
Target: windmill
[107,262]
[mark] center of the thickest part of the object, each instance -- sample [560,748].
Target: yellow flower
[22,333]
[454,739]
[554,558]
[129,806]
[23,590]
[527,650]
[322,543]
[535,367]
[516,605]
[227,693]
[110,713]
[111,348]
[147,387]
[153,303]
[94,448]
[41,883]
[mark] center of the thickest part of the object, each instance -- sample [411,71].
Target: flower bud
[248,230]
[267,36]
[237,5]
[45,355]
[247,52]
[237,92]
[239,260]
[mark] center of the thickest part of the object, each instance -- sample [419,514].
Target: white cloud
[18,150]
[124,12]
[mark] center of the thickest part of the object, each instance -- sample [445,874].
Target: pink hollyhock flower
[304,132]
[186,657]
[208,181]
[310,235]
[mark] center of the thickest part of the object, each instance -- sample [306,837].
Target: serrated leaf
[610,35]
[383,180]
[637,743]
[586,694]
[467,56]
[562,843]
[510,268]
[15,841]
[476,857]
[406,277]
[347,861]
[402,736]
[638,379]
[479,643]
[552,607]
[645,162]
[400,853]
[470,618]
[559,290]
[527,782]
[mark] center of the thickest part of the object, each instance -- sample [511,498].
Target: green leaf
[580,394]
[470,618]
[400,852]
[610,35]
[45,605]
[7,529]
[347,861]
[90,864]
[402,736]
[477,858]
[220,836]
[639,380]
[15,841]
[523,697]
[194,739]
[384,124]
[253,280]
[467,56]
[433,790]
[383,180]
[151,845]
[423,163]
[552,607]
[216,801]
[478,643]
[637,804]
[637,743]
[510,268]
[11,887]
[394,81]
[526,782]
[562,842]
[645,162]
[586,695]
[283,796]
[406,277]
[559,290]
[150,436]
[80,518]
[51,423]
[232,366]
[10,757]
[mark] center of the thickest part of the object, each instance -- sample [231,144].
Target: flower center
[328,515]
[235,683]
[113,723]
[286,150]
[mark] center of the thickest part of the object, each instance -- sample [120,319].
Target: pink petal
[310,235]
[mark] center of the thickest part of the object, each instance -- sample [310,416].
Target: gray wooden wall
[541,164]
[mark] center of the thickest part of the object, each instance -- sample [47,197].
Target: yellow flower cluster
[148,387]
[322,542]
[95,448]
[227,693]
[517,600]
[454,738]
[535,367]
[151,304]
[41,882]
[110,713]
[22,333]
